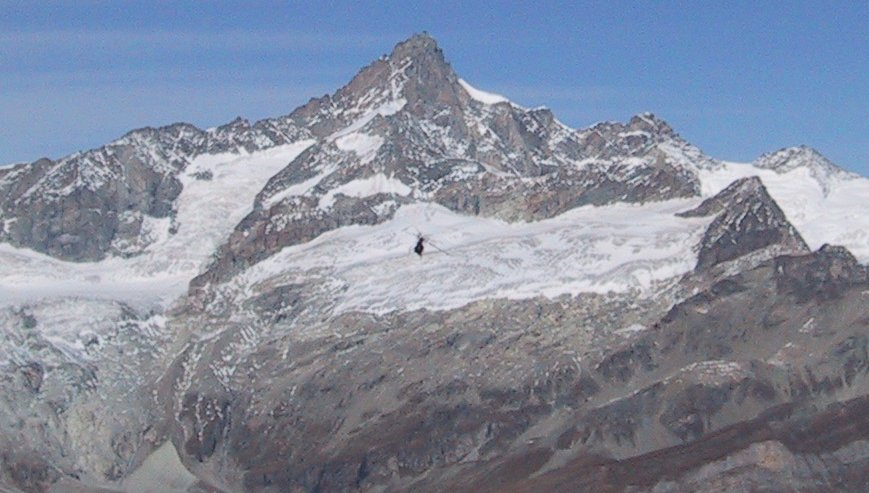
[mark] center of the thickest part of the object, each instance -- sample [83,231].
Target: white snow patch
[363,145]
[67,325]
[366,187]
[714,372]
[388,108]
[631,330]
[788,353]
[482,96]
[300,188]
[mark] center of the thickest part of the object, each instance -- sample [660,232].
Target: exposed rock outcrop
[747,220]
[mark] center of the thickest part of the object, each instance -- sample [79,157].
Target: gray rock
[747,220]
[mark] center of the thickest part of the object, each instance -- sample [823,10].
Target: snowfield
[616,248]
[209,207]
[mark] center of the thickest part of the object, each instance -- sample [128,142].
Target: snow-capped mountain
[97,203]
[805,159]
[239,308]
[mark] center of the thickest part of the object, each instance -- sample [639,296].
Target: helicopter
[421,242]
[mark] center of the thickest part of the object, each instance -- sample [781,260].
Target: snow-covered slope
[218,192]
[617,248]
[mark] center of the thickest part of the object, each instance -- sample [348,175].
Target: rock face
[797,347]
[709,350]
[780,451]
[77,378]
[747,220]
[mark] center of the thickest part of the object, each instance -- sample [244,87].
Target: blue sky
[735,78]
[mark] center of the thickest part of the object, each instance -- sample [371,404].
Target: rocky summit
[240,309]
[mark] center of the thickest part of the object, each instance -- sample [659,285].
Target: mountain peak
[426,75]
[648,122]
[748,221]
[416,45]
[802,156]
[806,158]
[750,187]
[414,75]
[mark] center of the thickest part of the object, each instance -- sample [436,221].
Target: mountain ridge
[590,305]
[152,157]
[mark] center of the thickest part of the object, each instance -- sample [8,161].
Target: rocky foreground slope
[605,309]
